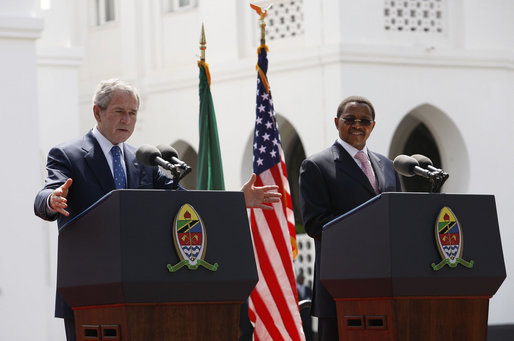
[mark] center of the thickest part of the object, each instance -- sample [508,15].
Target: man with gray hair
[83,170]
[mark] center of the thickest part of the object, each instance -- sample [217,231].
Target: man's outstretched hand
[58,200]
[259,197]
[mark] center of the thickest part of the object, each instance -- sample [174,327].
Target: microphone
[148,155]
[170,154]
[409,166]
[425,162]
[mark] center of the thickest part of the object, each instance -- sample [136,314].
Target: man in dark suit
[83,170]
[336,180]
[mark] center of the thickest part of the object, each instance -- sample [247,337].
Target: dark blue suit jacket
[84,161]
[331,184]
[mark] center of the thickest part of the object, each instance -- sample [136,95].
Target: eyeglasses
[350,121]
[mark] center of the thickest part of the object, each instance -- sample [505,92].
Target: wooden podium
[114,264]
[376,261]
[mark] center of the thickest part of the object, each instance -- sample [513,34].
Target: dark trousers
[327,329]
[245,326]
[69,327]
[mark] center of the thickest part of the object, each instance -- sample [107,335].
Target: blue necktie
[119,173]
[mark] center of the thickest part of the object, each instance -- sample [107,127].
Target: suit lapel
[97,163]
[378,168]
[132,166]
[346,163]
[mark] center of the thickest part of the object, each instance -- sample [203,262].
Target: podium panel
[197,321]
[420,319]
[114,264]
[377,261]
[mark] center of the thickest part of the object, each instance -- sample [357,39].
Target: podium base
[420,319]
[180,321]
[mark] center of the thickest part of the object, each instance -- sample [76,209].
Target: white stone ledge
[20,27]
[280,61]
[60,56]
[171,79]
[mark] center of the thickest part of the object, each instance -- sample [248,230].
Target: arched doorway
[420,141]
[427,130]
[294,155]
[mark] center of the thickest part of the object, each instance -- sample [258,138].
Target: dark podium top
[118,250]
[385,248]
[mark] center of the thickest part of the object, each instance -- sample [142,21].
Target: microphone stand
[438,179]
[185,172]
[176,175]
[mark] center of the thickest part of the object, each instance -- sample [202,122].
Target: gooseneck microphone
[166,157]
[421,165]
[170,154]
[409,166]
[425,162]
[148,155]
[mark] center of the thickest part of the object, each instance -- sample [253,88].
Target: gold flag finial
[262,15]
[203,43]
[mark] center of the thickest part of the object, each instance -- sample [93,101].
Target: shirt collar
[105,144]
[351,149]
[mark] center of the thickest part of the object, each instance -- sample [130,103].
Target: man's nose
[125,117]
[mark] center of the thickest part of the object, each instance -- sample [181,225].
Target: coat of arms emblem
[449,239]
[190,239]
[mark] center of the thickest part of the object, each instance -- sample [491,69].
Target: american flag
[273,305]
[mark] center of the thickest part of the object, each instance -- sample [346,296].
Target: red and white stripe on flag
[273,304]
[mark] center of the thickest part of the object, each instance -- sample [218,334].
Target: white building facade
[443,66]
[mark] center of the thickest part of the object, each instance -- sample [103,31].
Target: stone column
[22,251]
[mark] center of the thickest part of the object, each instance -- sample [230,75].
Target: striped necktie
[366,168]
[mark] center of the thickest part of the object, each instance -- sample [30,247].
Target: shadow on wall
[187,154]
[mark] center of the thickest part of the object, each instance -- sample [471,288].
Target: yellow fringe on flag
[206,67]
[261,73]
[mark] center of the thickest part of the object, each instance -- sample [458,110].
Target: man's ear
[96,112]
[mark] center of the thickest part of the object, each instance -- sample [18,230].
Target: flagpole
[203,45]
[209,175]
[262,23]
[263,27]
[273,304]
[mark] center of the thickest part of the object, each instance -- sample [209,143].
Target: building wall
[449,80]
[458,82]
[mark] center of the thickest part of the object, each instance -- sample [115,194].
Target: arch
[454,156]
[294,154]
[190,156]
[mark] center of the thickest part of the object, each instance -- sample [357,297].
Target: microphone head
[405,165]
[423,161]
[146,154]
[167,152]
